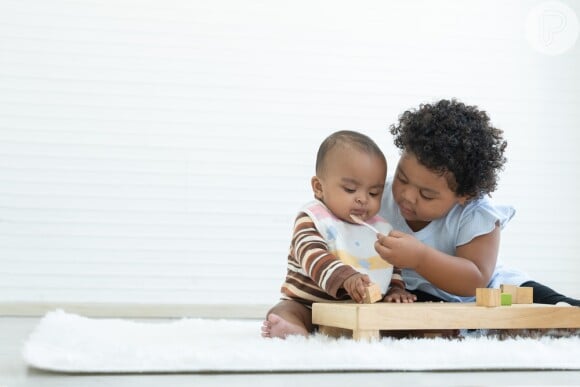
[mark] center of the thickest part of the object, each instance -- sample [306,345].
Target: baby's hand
[398,295]
[355,286]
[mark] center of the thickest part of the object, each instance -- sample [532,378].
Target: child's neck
[417,225]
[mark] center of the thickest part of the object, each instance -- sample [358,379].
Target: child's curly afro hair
[449,136]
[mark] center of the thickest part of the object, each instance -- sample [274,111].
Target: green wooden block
[506,299]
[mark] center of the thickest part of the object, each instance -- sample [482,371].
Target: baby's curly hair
[449,136]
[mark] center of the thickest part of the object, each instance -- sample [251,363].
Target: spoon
[363,223]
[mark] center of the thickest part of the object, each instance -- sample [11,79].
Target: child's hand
[400,249]
[398,295]
[355,286]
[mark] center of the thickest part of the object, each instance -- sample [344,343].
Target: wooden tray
[366,320]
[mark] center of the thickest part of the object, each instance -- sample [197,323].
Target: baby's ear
[316,187]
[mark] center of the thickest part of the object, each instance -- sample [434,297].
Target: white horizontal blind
[156,151]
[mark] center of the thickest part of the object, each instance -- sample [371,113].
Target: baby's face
[422,194]
[352,183]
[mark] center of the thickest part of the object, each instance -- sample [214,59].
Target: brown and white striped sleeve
[309,252]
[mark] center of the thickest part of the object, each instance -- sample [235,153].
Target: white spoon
[363,223]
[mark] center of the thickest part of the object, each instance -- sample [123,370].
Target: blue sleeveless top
[461,225]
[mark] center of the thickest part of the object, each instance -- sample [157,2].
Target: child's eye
[349,190]
[401,178]
[425,197]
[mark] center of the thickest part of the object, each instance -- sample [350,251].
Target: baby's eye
[349,190]
[374,194]
[401,178]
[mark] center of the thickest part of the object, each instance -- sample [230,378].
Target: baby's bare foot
[276,326]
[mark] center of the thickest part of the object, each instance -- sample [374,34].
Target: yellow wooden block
[487,297]
[525,295]
[372,294]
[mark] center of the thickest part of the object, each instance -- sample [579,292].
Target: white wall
[156,151]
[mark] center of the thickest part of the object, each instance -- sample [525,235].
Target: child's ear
[316,187]
[463,200]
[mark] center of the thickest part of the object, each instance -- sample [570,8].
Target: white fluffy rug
[66,342]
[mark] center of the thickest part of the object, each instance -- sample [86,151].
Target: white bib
[352,243]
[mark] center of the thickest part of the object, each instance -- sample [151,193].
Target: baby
[331,258]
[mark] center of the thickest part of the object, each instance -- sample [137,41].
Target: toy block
[511,289]
[487,297]
[506,299]
[372,294]
[525,295]
[520,294]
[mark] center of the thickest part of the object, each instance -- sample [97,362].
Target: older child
[330,257]
[446,231]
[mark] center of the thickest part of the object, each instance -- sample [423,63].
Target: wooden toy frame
[367,320]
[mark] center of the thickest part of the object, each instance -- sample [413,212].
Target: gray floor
[14,373]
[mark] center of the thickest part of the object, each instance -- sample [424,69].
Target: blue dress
[461,225]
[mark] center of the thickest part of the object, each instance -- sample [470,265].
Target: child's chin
[407,215]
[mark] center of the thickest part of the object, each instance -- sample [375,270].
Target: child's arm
[311,253]
[470,268]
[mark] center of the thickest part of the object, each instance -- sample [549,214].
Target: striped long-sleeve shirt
[314,274]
